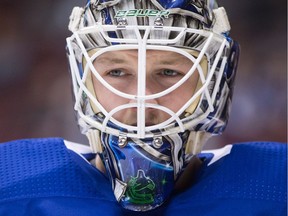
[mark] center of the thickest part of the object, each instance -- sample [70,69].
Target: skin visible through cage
[163,70]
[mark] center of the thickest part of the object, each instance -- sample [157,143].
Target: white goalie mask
[151,80]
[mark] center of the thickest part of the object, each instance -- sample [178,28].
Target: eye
[169,72]
[116,73]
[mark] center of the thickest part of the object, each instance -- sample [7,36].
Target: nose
[149,90]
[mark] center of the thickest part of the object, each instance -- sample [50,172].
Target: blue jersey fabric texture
[43,177]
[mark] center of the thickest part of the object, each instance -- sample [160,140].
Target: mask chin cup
[142,172]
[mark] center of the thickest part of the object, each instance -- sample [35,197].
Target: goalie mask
[152,80]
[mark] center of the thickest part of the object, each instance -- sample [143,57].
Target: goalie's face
[163,70]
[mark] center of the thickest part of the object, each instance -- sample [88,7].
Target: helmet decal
[141,13]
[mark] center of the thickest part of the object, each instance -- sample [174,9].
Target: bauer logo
[141,13]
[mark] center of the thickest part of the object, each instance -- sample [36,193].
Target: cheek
[102,96]
[106,98]
[176,99]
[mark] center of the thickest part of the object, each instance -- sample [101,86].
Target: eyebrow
[168,62]
[171,60]
[110,60]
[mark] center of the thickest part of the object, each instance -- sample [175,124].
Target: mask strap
[93,136]
[196,141]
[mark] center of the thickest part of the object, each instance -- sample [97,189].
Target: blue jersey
[54,177]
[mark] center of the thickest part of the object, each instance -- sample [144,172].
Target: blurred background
[35,91]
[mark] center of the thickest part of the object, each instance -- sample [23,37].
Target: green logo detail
[141,189]
[141,13]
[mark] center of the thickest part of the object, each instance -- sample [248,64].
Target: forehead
[123,55]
